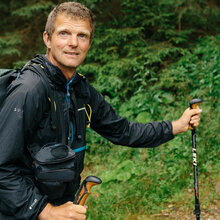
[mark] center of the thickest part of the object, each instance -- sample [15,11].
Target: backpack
[7,76]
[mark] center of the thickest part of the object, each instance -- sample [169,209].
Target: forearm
[45,212]
[177,129]
[133,134]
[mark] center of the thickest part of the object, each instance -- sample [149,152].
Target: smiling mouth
[72,53]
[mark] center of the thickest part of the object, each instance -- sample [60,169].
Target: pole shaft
[193,105]
[196,187]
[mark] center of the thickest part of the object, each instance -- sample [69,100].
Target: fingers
[75,212]
[196,111]
[195,121]
[67,211]
[80,209]
[195,116]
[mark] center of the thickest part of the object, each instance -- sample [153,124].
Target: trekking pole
[193,104]
[84,189]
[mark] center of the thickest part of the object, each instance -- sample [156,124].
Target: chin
[70,64]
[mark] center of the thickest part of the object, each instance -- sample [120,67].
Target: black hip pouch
[54,166]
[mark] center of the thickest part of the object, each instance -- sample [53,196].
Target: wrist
[176,127]
[45,212]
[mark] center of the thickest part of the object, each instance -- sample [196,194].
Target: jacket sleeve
[20,112]
[120,131]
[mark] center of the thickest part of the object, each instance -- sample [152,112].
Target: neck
[69,75]
[67,71]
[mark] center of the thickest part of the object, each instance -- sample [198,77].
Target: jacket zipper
[71,127]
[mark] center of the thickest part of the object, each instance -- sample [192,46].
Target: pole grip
[85,189]
[193,105]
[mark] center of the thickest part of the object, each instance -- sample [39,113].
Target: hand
[67,211]
[190,116]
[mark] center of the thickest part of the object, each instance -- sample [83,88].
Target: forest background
[149,58]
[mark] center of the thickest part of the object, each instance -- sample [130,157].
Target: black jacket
[25,120]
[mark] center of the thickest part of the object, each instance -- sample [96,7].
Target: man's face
[69,43]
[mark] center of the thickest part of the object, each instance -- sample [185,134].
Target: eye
[63,33]
[82,35]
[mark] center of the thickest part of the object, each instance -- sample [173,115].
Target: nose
[73,41]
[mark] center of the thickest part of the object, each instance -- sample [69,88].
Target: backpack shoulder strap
[39,69]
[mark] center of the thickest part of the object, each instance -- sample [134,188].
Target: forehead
[70,23]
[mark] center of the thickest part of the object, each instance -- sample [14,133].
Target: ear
[47,40]
[90,45]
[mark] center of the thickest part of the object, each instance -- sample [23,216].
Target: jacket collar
[54,74]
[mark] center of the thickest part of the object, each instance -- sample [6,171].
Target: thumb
[195,111]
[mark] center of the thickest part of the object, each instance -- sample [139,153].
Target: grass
[147,181]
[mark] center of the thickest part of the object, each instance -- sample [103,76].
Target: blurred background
[149,58]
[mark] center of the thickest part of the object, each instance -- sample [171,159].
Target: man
[26,122]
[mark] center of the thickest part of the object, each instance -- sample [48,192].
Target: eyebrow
[85,32]
[61,29]
[67,30]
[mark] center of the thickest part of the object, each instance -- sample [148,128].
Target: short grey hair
[72,9]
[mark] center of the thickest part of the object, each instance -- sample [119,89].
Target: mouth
[72,53]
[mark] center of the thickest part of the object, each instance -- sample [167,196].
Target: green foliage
[149,59]
[140,180]
[197,73]
[7,45]
[31,10]
[22,27]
